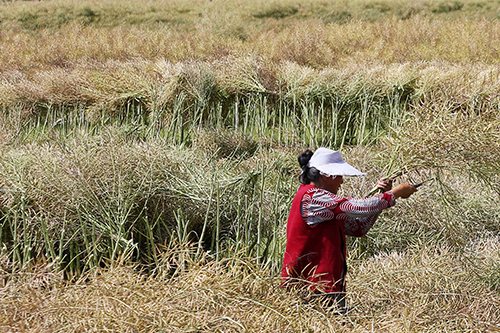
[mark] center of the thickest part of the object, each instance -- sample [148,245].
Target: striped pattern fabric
[359,215]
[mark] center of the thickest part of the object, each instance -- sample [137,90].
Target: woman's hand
[403,191]
[385,184]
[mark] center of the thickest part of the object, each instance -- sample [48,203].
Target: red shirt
[317,225]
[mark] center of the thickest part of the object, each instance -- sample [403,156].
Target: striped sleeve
[318,206]
[359,215]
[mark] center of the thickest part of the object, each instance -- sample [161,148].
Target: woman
[319,220]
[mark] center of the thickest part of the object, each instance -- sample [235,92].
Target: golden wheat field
[148,160]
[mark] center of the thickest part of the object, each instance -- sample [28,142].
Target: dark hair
[308,174]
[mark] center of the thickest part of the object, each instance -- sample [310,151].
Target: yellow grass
[429,289]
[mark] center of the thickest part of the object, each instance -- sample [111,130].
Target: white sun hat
[329,163]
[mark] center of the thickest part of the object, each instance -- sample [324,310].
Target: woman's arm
[319,205]
[403,191]
[359,215]
[357,223]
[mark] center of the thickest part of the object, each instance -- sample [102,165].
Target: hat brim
[329,162]
[339,169]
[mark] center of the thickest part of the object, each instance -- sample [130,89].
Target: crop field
[148,160]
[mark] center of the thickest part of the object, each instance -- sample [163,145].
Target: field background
[148,161]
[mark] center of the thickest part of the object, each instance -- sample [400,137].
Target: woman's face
[331,184]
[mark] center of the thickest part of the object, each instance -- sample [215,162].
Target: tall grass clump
[110,197]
